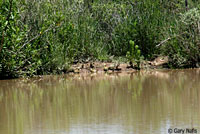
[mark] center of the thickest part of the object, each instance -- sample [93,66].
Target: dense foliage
[42,36]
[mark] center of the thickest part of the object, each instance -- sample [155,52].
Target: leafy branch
[7,24]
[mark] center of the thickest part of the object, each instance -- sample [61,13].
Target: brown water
[140,103]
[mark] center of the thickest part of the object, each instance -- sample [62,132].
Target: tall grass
[43,36]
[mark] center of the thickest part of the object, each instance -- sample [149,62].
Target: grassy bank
[46,36]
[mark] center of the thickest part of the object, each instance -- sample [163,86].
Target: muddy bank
[113,67]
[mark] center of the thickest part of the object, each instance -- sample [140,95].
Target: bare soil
[110,67]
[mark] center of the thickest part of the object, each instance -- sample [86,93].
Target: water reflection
[144,102]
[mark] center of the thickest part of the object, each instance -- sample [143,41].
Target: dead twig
[169,38]
[162,42]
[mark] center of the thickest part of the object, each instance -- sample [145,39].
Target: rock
[91,65]
[76,70]
[70,70]
[145,64]
[159,61]
[111,67]
[109,71]
[82,66]
[123,66]
[118,68]
[93,70]
[105,68]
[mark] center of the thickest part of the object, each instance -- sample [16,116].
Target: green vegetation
[42,37]
[134,55]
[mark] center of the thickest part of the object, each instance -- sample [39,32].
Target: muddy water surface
[147,102]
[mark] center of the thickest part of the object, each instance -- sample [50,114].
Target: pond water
[146,102]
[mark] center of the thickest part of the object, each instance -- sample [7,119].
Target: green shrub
[184,48]
[134,54]
[12,60]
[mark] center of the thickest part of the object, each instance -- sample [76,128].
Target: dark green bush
[12,60]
